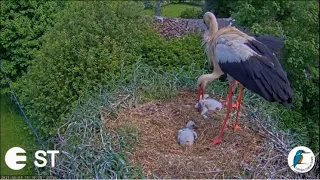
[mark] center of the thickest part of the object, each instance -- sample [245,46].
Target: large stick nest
[251,152]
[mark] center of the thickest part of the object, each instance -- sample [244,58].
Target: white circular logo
[301,159]
[12,158]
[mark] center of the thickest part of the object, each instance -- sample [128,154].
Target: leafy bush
[148,4]
[192,13]
[222,9]
[89,46]
[22,23]
[90,43]
[283,18]
[173,54]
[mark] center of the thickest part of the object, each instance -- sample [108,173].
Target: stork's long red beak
[200,92]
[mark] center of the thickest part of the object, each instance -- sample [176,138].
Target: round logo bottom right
[301,159]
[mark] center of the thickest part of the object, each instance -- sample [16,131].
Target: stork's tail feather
[275,44]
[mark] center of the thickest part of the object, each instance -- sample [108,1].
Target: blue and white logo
[301,159]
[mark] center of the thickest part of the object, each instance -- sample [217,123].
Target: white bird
[206,105]
[187,135]
[245,60]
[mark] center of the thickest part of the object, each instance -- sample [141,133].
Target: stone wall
[176,27]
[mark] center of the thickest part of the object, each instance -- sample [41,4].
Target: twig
[206,172]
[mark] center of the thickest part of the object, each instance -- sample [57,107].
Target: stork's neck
[214,25]
[207,78]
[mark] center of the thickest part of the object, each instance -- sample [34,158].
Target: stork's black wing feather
[261,74]
[274,43]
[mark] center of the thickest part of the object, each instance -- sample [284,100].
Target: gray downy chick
[187,135]
[207,105]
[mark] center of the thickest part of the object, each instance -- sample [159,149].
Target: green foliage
[173,54]
[89,46]
[221,8]
[286,18]
[94,47]
[192,13]
[12,127]
[22,23]
[175,10]
[148,4]
[171,9]
[89,150]
[128,136]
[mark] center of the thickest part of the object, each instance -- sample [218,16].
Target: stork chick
[187,135]
[206,105]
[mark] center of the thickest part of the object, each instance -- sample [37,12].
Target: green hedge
[22,23]
[173,54]
[90,44]
[192,13]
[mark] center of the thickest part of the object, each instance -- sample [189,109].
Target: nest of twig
[161,156]
[255,151]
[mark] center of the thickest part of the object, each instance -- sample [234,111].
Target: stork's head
[209,18]
[201,84]
[210,21]
[191,125]
[203,80]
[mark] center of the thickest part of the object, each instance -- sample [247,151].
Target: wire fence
[23,113]
[27,120]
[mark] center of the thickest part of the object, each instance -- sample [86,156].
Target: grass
[84,139]
[148,12]
[15,132]
[171,10]
[129,135]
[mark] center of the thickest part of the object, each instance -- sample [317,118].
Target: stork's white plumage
[245,60]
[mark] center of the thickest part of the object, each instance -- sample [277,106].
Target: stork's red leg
[225,102]
[238,106]
[232,86]
[218,139]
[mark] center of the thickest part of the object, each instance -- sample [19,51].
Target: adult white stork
[245,60]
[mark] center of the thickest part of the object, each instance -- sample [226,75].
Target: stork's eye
[204,22]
